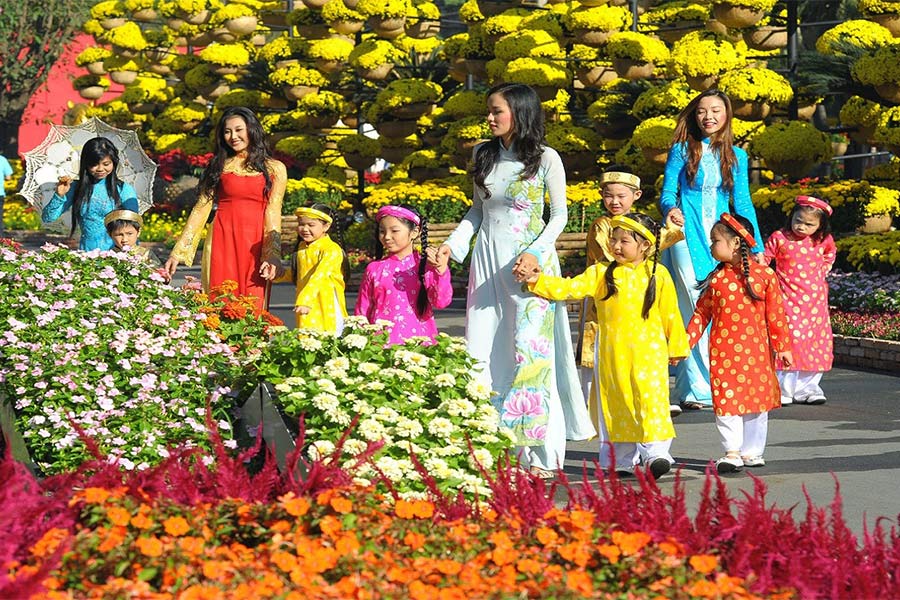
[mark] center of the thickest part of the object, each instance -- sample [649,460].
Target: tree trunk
[9,133]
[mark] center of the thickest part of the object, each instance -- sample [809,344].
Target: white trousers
[800,385]
[744,434]
[629,454]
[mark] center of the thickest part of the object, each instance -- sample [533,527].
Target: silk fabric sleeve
[672,322]
[186,247]
[438,287]
[319,280]
[271,250]
[674,164]
[569,288]
[555,182]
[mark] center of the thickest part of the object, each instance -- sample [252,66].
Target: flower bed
[188,530]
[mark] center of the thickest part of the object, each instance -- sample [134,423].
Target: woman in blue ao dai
[704,173]
[96,193]
[522,341]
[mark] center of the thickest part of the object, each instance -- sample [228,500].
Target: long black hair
[650,292]
[528,128]
[687,130]
[93,151]
[257,151]
[745,250]
[336,228]
[421,306]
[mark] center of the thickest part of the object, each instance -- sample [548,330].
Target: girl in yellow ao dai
[640,331]
[318,272]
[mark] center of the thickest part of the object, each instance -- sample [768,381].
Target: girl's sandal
[543,473]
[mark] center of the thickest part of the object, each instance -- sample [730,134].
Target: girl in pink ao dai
[403,287]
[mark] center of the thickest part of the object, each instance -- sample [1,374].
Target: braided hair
[650,292]
[336,228]
[745,250]
[422,304]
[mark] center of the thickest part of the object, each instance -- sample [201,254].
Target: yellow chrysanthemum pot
[396,129]
[242,25]
[92,92]
[123,77]
[145,15]
[736,16]
[388,28]
[378,73]
[597,77]
[628,68]
[889,91]
[890,21]
[96,68]
[767,37]
[295,92]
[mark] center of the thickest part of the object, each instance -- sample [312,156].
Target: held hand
[529,277]
[786,358]
[63,185]
[760,258]
[442,257]
[431,254]
[526,264]
[171,266]
[269,271]
[676,217]
[303,310]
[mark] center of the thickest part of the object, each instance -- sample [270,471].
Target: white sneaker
[816,399]
[785,400]
[753,461]
[727,464]
[674,410]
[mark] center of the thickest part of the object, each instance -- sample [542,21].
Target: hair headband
[632,225]
[629,179]
[814,202]
[123,215]
[735,225]
[313,213]
[389,210]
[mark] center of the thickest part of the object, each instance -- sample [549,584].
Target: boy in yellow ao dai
[633,353]
[319,275]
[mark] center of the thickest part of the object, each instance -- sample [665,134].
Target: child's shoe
[658,467]
[729,464]
[785,400]
[753,461]
[674,410]
[815,399]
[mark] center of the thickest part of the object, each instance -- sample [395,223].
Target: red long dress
[745,335]
[237,236]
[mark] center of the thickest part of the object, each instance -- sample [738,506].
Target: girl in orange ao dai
[749,330]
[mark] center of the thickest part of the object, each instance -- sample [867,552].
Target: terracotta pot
[464,148]
[218,90]
[204,38]
[315,4]
[672,32]
[701,83]
[96,68]
[877,224]
[735,16]
[396,129]
[188,126]
[92,92]
[223,36]
[159,69]
[358,161]
[591,37]
[806,113]
[351,121]
[889,91]
[793,169]
[578,161]
[766,38]
[123,77]
[717,26]
[616,130]
[329,66]
[546,92]
[351,3]
[125,52]
[113,22]
[423,29]
[596,77]
[157,53]
[201,17]
[225,70]
[295,92]
[242,25]
[258,39]
[145,15]
[377,74]
[491,8]
[396,155]
[388,28]
[412,111]
[839,148]
[313,32]
[457,69]
[142,108]
[423,174]
[631,69]
[274,18]
[347,27]
[890,21]
[750,111]
[321,121]
[655,156]
[477,68]
[593,3]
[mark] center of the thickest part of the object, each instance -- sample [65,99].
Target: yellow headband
[632,225]
[123,215]
[632,181]
[312,213]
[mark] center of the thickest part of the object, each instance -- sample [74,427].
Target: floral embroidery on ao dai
[523,342]
[389,289]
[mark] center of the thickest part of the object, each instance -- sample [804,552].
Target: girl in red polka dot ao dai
[403,287]
[804,253]
[742,300]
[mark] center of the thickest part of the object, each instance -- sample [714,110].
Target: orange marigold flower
[319,560]
[703,589]
[229,286]
[503,555]
[422,591]
[294,506]
[113,540]
[214,569]
[671,547]
[212,322]
[234,311]
[192,545]
[529,565]
[149,546]
[704,563]
[49,542]
[330,525]
[414,539]
[284,560]
[412,509]
[582,519]
[730,585]
[201,592]
[176,526]
[95,495]
[118,516]
[142,521]
[631,543]
[448,566]
[546,536]
[610,552]
[341,505]
[347,544]
[580,583]
[576,552]
[661,585]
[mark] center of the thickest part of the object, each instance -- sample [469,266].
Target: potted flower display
[374,59]
[395,150]
[322,108]
[407,99]
[297,81]
[545,75]
[536,43]
[702,56]
[424,20]
[387,18]
[754,90]
[665,99]
[592,67]
[856,32]
[674,20]
[330,54]
[225,59]
[304,148]
[654,137]
[881,70]
[146,94]
[425,165]
[791,148]
[359,151]
[127,40]
[883,12]
[342,18]
[121,70]
[91,87]
[635,55]
[862,114]
[577,146]
[611,114]
[92,58]
[738,14]
[462,137]
[593,26]
[110,14]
